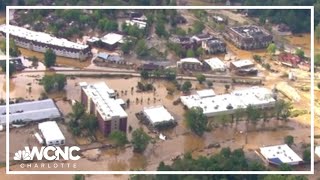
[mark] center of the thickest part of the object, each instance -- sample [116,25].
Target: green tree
[161,30]
[12,68]
[201,78]
[126,47]
[190,53]
[78,177]
[282,109]
[307,155]
[60,80]
[285,167]
[198,27]
[89,122]
[289,140]
[54,82]
[119,138]
[196,120]
[253,113]
[48,83]
[317,32]
[186,86]
[3,45]
[144,74]
[257,58]
[317,60]
[300,53]
[170,74]
[140,140]
[77,110]
[49,58]
[35,61]
[141,48]
[238,114]
[13,49]
[199,52]
[271,48]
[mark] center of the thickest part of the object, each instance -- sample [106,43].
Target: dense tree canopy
[298,20]
[54,82]
[196,120]
[119,137]
[140,140]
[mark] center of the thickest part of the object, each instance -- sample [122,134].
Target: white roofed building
[280,154]
[214,105]
[215,64]
[158,115]
[111,40]
[206,93]
[40,42]
[51,133]
[30,111]
[100,100]
[241,64]
[189,64]
[135,22]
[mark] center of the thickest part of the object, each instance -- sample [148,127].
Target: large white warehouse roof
[30,111]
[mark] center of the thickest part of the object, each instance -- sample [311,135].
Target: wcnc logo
[49,153]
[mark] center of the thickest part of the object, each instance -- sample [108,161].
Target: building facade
[248,37]
[225,104]
[190,64]
[41,42]
[100,101]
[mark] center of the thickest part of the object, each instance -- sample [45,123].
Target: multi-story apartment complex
[100,100]
[40,42]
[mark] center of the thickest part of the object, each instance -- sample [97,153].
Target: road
[133,73]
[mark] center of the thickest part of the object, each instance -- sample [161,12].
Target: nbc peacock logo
[49,153]
[21,155]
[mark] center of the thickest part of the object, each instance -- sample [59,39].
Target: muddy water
[243,54]
[180,139]
[302,41]
[63,61]
[3,86]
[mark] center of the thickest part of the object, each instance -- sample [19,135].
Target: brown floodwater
[63,61]
[180,139]
[300,40]
[243,54]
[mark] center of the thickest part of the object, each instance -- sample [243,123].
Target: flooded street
[63,61]
[180,139]
[301,41]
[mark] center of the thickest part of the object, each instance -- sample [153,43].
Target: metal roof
[157,114]
[30,111]
[41,37]
[51,131]
[280,154]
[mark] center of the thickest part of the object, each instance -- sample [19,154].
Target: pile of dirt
[92,154]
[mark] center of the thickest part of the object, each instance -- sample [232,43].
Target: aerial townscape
[160,90]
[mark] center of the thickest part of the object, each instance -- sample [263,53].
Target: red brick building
[100,100]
